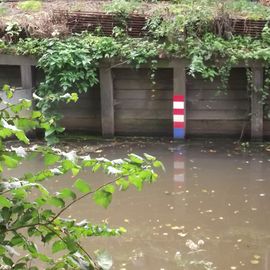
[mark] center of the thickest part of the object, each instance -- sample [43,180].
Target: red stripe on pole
[178,124]
[178,98]
[178,111]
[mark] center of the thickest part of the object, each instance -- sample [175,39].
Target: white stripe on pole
[178,105]
[178,118]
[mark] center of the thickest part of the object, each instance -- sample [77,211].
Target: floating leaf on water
[182,234]
[191,245]
[176,228]
[200,242]
[254,262]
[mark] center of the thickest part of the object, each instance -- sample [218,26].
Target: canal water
[209,210]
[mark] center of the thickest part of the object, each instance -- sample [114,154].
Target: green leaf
[124,184]
[58,246]
[149,157]
[67,165]
[10,162]
[50,159]
[25,124]
[102,198]
[66,193]
[44,258]
[17,240]
[136,181]
[55,201]
[36,114]
[158,164]
[7,260]
[52,139]
[136,159]
[2,250]
[22,137]
[31,247]
[8,90]
[96,167]
[109,188]
[26,103]
[19,266]
[75,171]
[82,186]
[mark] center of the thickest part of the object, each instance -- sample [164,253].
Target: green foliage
[71,65]
[13,30]
[30,5]
[184,29]
[30,214]
[122,7]
[248,9]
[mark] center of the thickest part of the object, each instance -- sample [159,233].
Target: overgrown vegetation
[31,215]
[200,31]
[30,5]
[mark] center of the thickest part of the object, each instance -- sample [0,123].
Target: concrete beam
[17,60]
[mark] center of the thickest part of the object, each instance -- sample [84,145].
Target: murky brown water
[209,210]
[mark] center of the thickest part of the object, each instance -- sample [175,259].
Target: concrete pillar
[256,104]
[106,96]
[26,77]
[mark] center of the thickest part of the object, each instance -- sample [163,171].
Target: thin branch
[83,196]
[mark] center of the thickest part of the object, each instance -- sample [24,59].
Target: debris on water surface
[182,234]
[193,246]
[254,262]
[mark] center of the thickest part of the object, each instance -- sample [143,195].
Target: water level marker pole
[179,93]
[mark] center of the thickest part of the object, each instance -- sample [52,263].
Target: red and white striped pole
[179,93]
[179,117]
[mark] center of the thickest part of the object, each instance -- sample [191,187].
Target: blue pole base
[179,133]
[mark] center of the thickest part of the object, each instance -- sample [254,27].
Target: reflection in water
[179,168]
[209,210]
